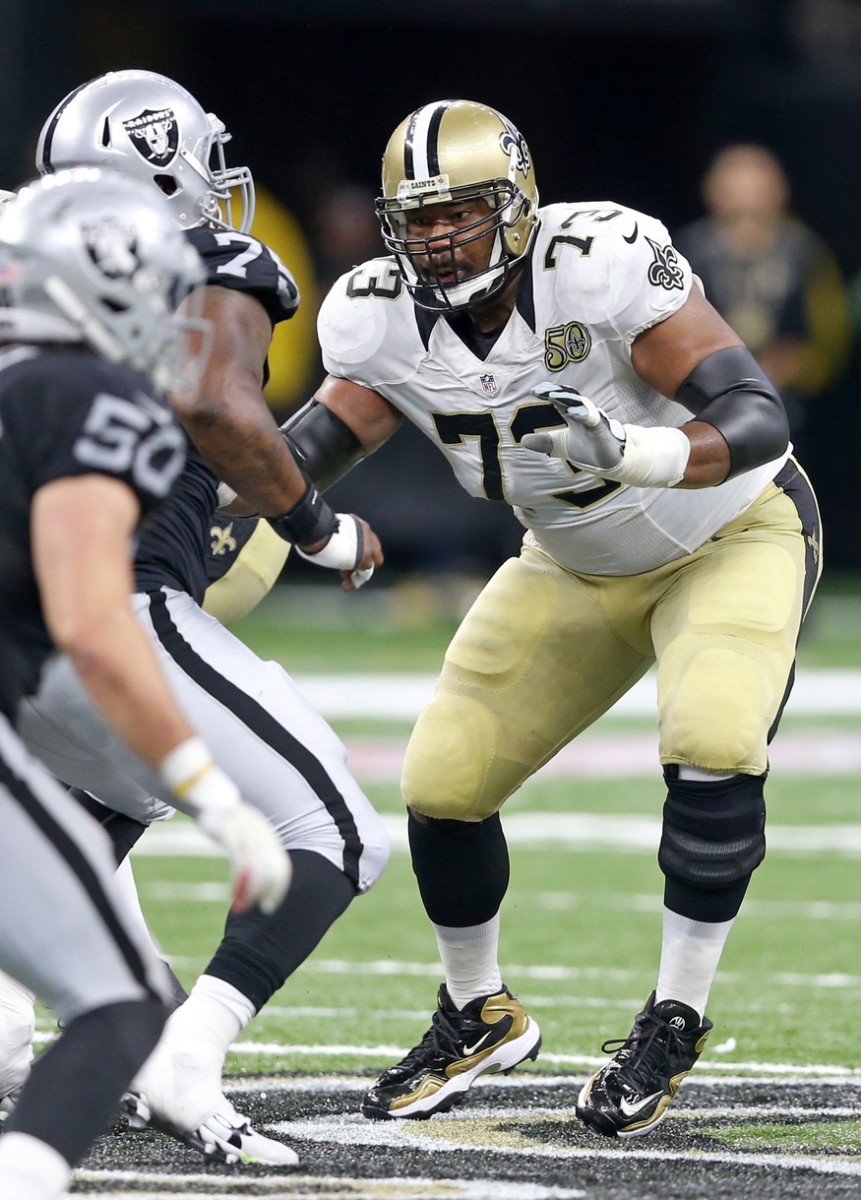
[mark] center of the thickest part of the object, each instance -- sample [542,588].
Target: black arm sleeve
[323,445]
[729,390]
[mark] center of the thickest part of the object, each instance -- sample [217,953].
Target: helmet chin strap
[471,291]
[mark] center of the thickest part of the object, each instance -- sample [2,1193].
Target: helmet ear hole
[166,184]
[106,133]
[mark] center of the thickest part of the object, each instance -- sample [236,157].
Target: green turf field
[581,924]
[773,1107]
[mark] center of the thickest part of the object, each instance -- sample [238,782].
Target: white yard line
[402,697]
[575,831]
[310,1187]
[497,1127]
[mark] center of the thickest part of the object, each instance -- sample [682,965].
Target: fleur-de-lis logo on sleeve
[665,271]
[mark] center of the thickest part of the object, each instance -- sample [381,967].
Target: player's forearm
[709,461]
[244,447]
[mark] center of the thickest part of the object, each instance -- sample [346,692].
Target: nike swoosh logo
[630,240]
[468,1050]
[630,1110]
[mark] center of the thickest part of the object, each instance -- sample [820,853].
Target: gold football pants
[544,652]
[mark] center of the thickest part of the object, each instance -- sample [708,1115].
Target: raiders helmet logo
[112,248]
[154,134]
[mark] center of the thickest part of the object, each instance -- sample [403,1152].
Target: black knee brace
[461,867]
[713,838]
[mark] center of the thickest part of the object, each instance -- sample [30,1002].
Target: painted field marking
[579,831]
[310,1187]
[402,697]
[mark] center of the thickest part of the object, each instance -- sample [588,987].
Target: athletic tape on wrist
[197,783]
[310,520]
[654,456]
[344,549]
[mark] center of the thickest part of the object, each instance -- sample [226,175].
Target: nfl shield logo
[488,384]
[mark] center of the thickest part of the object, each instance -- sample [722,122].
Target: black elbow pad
[324,446]
[730,391]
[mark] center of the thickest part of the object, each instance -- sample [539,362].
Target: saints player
[285,758]
[90,266]
[563,361]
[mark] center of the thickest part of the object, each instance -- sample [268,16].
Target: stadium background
[618,99]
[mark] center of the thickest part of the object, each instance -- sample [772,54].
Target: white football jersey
[599,275]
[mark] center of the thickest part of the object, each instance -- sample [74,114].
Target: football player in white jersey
[565,363]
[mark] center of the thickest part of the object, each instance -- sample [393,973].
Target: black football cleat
[491,1034]
[630,1096]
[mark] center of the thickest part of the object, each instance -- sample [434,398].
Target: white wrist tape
[655,456]
[200,787]
[344,549]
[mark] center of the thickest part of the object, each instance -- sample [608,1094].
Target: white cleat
[225,1137]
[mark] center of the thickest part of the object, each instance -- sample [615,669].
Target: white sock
[469,958]
[211,1019]
[181,1079]
[690,953]
[126,890]
[30,1169]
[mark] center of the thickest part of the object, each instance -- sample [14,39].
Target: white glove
[644,456]
[260,866]
[344,550]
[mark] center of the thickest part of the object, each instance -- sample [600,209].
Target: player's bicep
[665,354]
[369,415]
[241,336]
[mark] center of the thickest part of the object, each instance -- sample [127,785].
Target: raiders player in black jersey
[89,265]
[284,757]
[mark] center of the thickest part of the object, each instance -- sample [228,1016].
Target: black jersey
[174,548]
[64,412]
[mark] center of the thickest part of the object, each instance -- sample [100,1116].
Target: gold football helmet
[447,151]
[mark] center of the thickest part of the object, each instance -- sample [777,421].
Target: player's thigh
[62,727]
[534,662]
[283,756]
[725,634]
[67,942]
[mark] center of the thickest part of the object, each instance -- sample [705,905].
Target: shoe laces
[443,1040]
[643,1053]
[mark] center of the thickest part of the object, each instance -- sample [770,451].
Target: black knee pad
[461,867]
[713,839]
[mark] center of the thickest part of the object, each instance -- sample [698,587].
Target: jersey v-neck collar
[479,343]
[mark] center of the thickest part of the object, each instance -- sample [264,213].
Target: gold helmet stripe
[421,149]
